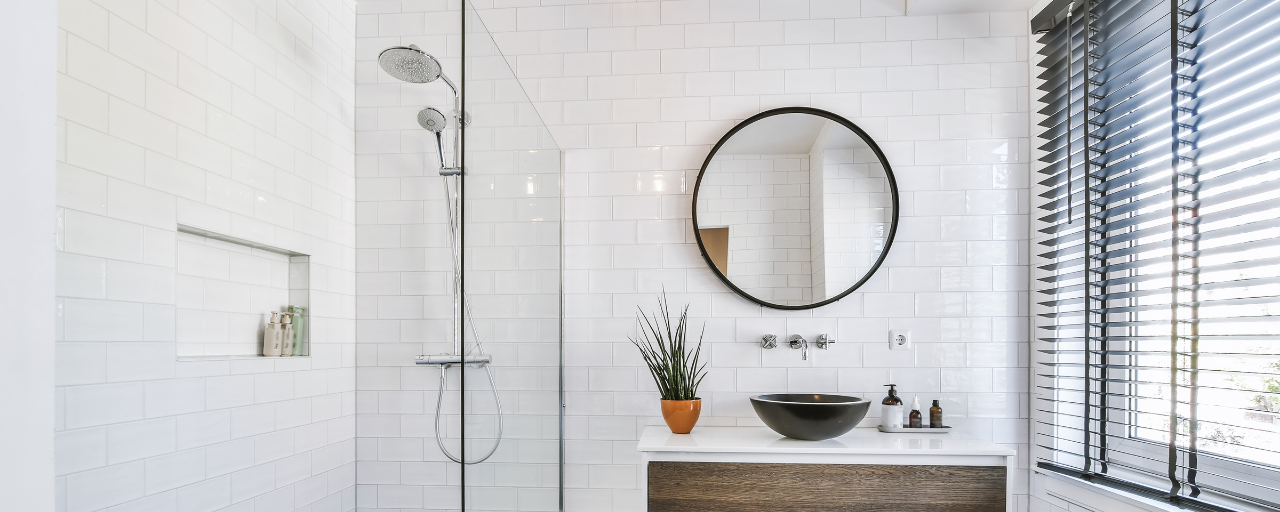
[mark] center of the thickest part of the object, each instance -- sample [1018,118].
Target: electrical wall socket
[899,340]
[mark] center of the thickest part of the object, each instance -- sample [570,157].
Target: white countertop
[860,441]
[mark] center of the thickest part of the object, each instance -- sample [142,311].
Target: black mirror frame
[893,188]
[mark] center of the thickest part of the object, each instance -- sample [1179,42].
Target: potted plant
[674,365]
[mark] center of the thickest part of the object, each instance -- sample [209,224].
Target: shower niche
[227,288]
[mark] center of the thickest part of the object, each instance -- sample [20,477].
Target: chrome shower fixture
[433,121]
[411,64]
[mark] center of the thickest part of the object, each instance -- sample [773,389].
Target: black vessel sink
[810,417]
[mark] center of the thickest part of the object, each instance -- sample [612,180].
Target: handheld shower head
[410,64]
[431,119]
[434,122]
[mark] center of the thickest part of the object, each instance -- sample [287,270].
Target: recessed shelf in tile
[227,288]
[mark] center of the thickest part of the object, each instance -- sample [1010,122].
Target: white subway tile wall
[637,92]
[236,117]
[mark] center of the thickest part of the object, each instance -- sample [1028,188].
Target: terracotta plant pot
[681,415]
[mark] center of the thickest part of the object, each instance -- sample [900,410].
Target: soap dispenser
[299,315]
[286,335]
[271,337]
[891,409]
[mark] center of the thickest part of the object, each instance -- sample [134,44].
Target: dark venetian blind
[1158,261]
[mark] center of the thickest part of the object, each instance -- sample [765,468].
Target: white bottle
[271,338]
[286,335]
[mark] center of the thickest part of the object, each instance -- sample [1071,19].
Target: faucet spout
[798,341]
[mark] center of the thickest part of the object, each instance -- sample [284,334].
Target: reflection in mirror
[794,209]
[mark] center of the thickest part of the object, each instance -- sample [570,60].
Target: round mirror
[795,208]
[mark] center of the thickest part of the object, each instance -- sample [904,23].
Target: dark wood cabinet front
[706,486]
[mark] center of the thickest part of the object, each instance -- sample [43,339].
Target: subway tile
[80,450]
[734,10]
[958,26]
[760,33]
[809,31]
[104,487]
[135,125]
[116,76]
[96,151]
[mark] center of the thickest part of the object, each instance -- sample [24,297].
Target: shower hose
[457,282]
[440,398]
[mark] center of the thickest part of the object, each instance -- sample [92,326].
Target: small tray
[909,430]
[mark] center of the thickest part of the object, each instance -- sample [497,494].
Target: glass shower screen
[512,276]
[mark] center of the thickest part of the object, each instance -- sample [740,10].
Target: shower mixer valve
[452,359]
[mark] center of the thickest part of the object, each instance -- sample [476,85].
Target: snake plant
[672,362]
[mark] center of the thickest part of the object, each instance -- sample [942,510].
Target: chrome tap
[798,341]
[768,341]
[824,341]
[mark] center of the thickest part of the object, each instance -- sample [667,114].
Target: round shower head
[410,64]
[431,119]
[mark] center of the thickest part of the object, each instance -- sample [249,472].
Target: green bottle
[300,346]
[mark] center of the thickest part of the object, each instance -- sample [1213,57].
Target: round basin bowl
[810,417]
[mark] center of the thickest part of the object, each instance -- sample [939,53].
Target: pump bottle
[271,337]
[891,409]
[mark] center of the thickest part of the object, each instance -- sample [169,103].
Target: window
[1157,295]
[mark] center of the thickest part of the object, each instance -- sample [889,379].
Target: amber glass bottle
[915,420]
[935,415]
[891,409]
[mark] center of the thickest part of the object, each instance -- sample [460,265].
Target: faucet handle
[768,341]
[824,340]
[795,341]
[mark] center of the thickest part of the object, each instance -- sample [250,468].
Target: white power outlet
[899,340]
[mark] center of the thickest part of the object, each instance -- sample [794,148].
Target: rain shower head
[410,64]
[431,119]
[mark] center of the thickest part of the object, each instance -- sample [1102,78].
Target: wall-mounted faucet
[798,341]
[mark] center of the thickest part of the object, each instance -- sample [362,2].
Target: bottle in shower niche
[300,345]
[916,420]
[286,335]
[935,415]
[271,337]
[891,409]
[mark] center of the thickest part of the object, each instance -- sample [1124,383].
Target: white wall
[637,92]
[233,116]
[28,31]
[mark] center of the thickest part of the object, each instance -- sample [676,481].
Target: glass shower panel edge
[512,269]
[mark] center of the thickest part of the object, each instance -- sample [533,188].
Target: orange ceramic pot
[681,415]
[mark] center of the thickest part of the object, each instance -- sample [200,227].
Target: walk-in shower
[498,412]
